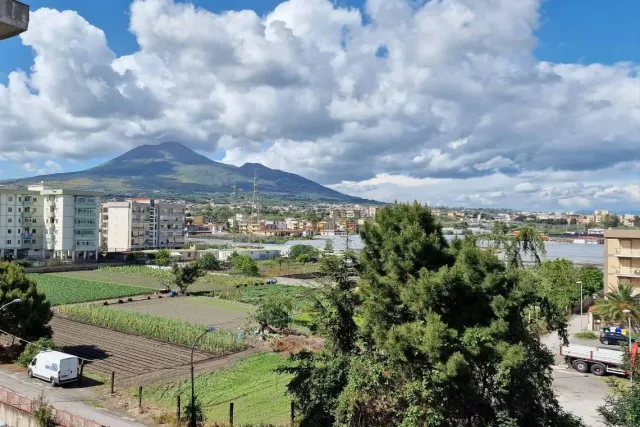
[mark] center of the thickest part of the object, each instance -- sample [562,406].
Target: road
[77,401]
[580,394]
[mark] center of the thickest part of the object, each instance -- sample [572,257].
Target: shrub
[163,257]
[43,412]
[274,311]
[587,335]
[31,350]
[208,262]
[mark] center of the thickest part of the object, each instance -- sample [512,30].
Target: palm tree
[611,307]
[529,242]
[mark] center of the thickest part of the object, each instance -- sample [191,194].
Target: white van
[55,367]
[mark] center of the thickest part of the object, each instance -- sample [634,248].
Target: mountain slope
[171,168]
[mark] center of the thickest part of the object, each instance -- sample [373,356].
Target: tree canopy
[185,276]
[304,253]
[243,264]
[163,257]
[208,262]
[443,340]
[29,318]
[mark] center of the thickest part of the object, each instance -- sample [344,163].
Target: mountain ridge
[172,169]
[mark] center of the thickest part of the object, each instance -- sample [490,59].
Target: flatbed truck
[597,360]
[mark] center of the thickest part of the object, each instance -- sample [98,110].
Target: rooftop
[14,18]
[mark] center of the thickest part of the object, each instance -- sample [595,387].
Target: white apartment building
[139,224]
[43,222]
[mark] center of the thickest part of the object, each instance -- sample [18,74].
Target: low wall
[15,417]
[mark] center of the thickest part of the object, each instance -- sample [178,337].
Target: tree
[528,242]
[274,312]
[636,221]
[183,277]
[43,412]
[197,409]
[443,340]
[558,282]
[29,318]
[592,279]
[32,349]
[163,257]
[611,307]
[208,262]
[622,406]
[303,253]
[500,228]
[611,221]
[243,264]
[328,247]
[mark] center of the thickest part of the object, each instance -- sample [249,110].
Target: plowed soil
[127,355]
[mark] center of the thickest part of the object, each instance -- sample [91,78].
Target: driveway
[77,401]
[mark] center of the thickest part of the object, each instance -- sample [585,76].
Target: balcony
[627,253]
[14,18]
[628,273]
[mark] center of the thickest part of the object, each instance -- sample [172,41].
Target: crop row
[140,270]
[154,327]
[68,290]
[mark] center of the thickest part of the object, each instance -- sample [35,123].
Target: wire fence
[61,418]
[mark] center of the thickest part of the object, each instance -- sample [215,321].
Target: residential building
[621,258]
[139,224]
[14,18]
[21,224]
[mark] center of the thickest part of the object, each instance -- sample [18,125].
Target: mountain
[171,169]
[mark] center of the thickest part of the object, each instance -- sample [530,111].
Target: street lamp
[581,304]
[15,301]
[628,313]
[193,388]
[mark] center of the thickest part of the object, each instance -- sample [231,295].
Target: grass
[302,297]
[257,391]
[587,335]
[275,268]
[159,328]
[68,290]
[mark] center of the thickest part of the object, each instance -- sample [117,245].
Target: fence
[61,418]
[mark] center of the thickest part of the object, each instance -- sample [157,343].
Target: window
[19,209]
[33,241]
[10,198]
[8,242]
[33,220]
[34,200]
[18,241]
[26,209]
[33,231]
[8,231]
[20,230]
[19,199]
[9,220]
[9,209]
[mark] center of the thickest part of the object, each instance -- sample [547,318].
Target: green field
[301,297]
[258,393]
[155,327]
[67,290]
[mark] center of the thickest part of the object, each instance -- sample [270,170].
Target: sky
[526,104]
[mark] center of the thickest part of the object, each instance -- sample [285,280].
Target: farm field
[68,290]
[152,278]
[125,354]
[223,314]
[158,328]
[257,391]
[301,297]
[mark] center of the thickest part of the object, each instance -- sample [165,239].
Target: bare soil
[223,314]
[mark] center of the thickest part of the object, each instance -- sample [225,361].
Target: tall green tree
[443,340]
[163,257]
[185,276]
[611,221]
[29,318]
[245,265]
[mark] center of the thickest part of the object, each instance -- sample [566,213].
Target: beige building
[139,224]
[622,258]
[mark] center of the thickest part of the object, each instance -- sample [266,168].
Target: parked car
[55,367]
[271,281]
[614,338]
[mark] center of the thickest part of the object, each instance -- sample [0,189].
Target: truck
[55,367]
[597,360]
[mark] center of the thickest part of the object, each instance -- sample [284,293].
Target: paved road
[580,394]
[77,401]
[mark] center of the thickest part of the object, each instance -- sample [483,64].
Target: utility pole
[255,205]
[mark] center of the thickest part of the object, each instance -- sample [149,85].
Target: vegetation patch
[68,290]
[587,335]
[252,384]
[155,327]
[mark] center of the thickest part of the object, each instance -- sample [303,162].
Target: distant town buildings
[139,224]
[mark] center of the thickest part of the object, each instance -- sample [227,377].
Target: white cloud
[50,167]
[29,167]
[458,101]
